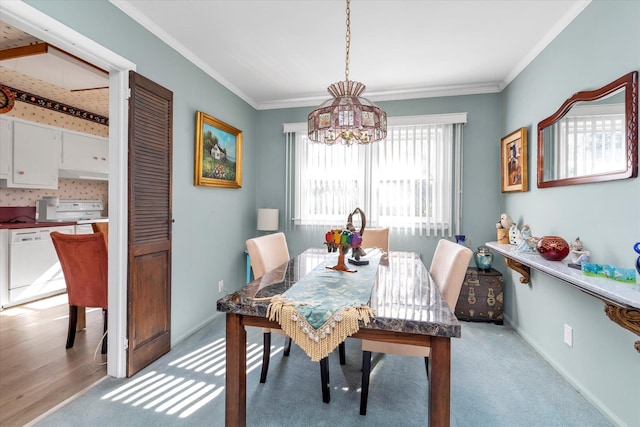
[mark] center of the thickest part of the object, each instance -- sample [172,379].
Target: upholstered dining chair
[448,269]
[376,238]
[102,227]
[83,258]
[266,253]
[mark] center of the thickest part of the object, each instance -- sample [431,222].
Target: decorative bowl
[553,248]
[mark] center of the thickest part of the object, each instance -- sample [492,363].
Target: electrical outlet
[568,335]
[220,285]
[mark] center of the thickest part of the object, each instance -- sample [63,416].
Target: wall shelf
[622,300]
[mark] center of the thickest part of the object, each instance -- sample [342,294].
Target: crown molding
[135,14]
[431,92]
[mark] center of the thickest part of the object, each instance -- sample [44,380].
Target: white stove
[51,209]
[82,212]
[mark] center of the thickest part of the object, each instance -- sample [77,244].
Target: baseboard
[597,403]
[195,329]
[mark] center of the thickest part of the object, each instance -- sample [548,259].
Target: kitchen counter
[21,217]
[18,217]
[20,225]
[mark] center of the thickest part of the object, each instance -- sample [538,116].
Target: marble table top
[403,297]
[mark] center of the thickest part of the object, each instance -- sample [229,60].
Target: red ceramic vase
[553,248]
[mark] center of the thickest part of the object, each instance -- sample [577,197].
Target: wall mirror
[592,137]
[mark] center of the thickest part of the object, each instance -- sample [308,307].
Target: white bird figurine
[505,221]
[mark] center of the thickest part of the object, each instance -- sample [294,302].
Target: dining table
[407,308]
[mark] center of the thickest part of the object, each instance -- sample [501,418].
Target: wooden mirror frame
[629,82]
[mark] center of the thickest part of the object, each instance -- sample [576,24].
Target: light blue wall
[481,176]
[600,45]
[211,224]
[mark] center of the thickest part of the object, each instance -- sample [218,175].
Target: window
[410,181]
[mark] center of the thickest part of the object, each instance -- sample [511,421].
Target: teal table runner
[323,308]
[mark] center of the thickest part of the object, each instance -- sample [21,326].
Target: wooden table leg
[440,382]
[82,319]
[236,373]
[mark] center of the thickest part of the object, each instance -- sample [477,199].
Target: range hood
[78,174]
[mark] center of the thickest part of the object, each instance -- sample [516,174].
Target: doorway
[32,21]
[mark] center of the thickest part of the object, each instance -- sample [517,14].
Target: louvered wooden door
[149,242]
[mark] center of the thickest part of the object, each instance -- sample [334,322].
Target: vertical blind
[410,182]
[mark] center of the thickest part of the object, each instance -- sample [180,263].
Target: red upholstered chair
[102,227]
[83,258]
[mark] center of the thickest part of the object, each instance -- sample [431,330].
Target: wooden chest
[481,297]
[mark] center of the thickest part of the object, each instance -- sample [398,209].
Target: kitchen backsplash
[67,188]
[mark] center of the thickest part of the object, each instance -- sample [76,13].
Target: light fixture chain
[348,38]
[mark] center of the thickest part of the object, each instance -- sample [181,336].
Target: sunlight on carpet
[175,394]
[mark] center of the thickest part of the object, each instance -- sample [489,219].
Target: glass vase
[483,258]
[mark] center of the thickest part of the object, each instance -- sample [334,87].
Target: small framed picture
[218,160]
[514,161]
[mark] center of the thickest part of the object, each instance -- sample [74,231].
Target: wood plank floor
[36,371]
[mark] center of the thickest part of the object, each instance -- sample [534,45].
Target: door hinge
[126,344]
[128,94]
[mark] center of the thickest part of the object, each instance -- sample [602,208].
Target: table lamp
[268,219]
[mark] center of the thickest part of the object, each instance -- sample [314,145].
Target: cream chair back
[448,268]
[376,238]
[267,252]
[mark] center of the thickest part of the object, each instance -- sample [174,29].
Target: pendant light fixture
[347,118]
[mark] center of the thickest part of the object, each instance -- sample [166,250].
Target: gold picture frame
[514,163]
[218,156]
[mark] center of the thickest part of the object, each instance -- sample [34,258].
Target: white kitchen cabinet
[6,139]
[4,267]
[84,156]
[30,155]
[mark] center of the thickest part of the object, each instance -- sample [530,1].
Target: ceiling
[283,53]
[50,83]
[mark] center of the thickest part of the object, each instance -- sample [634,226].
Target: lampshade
[347,117]
[267,219]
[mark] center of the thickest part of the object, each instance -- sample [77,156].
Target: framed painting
[514,161]
[218,160]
